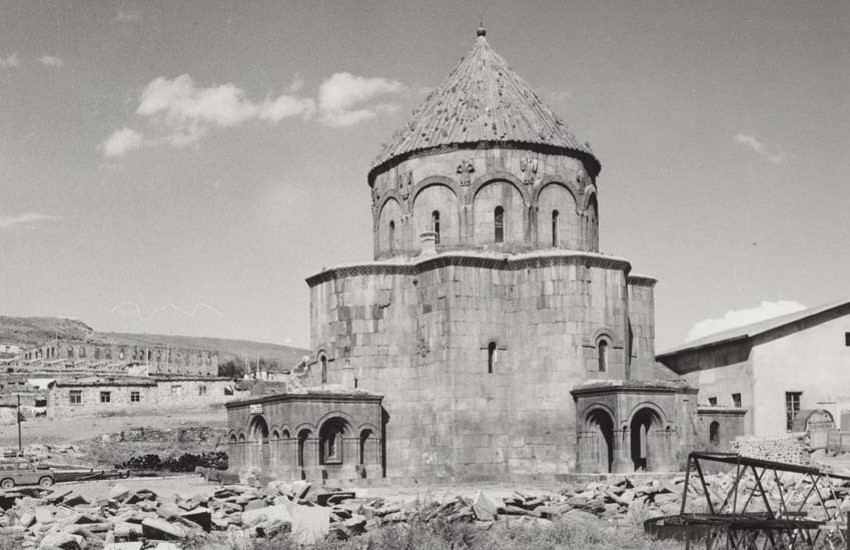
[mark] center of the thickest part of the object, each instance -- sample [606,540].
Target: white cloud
[344,98]
[125,16]
[740,317]
[182,113]
[27,218]
[758,147]
[190,111]
[10,62]
[121,142]
[50,61]
[179,103]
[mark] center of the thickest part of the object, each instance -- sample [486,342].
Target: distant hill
[33,331]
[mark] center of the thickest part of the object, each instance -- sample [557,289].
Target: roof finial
[481,30]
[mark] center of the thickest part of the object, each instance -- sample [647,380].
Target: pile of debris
[305,513]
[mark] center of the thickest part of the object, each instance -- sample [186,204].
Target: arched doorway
[301,458]
[332,435]
[714,434]
[644,427]
[600,440]
[258,434]
[365,435]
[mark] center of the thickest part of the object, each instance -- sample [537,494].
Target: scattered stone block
[200,516]
[310,524]
[484,508]
[63,540]
[159,529]
[269,513]
[119,492]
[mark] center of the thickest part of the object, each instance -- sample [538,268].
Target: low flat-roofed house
[10,348]
[774,368]
[108,393]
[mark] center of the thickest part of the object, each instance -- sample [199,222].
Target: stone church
[489,338]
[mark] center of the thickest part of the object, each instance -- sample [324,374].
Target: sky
[182,167]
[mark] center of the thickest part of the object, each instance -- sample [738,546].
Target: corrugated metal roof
[481,100]
[754,329]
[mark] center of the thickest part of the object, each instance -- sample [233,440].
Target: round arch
[604,333]
[438,196]
[597,406]
[285,431]
[393,196]
[333,432]
[435,180]
[500,212]
[557,180]
[589,192]
[304,426]
[493,177]
[648,405]
[349,420]
[390,226]
[368,426]
[645,425]
[258,428]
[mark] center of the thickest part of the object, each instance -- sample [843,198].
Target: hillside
[32,331]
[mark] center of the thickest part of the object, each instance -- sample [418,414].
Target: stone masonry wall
[422,341]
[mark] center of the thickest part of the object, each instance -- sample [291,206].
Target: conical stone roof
[482,100]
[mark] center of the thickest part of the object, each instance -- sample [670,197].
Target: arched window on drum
[499,224]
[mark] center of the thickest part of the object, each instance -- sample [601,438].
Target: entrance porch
[626,426]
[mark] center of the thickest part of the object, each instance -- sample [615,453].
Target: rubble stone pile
[306,513]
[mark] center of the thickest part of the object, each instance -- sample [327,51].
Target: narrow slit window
[499,224]
[392,236]
[491,357]
[602,355]
[323,360]
[555,215]
[435,224]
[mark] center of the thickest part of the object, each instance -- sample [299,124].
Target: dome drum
[490,199]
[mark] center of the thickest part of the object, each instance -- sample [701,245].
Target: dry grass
[502,535]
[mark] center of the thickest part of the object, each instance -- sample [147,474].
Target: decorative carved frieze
[465,169]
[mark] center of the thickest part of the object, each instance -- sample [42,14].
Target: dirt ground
[69,430]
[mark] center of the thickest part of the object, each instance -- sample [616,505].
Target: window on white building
[792,407]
